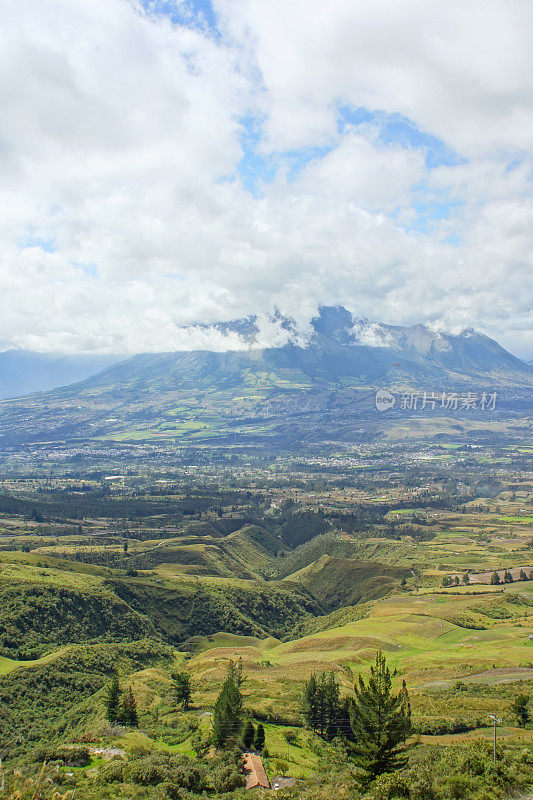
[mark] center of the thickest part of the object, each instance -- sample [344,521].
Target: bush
[291,737]
[456,772]
[227,778]
[113,772]
[162,768]
[74,756]
[172,791]
[148,771]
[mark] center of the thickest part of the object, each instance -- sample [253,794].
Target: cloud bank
[164,164]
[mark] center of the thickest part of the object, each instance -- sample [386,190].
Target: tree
[181,687]
[248,735]
[381,722]
[322,707]
[112,701]
[508,578]
[259,741]
[466,578]
[523,576]
[520,708]
[227,718]
[310,703]
[495,578]
[128,712]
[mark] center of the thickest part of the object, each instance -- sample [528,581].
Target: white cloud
[458,69]
[123,217]
[371,334]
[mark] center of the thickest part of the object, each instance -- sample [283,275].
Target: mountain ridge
[282,393]
[373,355]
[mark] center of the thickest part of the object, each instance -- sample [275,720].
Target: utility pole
[495,721]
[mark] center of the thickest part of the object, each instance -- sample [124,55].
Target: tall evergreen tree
[321,705]
[309,703]
[259,740]
[248,735]
[227,718]
[181,687]
[128,712]
[112,701]
[520,708]
[332,705]
[381,722]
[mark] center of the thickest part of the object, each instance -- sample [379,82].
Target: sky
[169,162]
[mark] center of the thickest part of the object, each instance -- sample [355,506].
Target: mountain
[23,372]
[340,350]
[313,384]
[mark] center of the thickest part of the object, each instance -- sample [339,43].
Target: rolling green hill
[338,582]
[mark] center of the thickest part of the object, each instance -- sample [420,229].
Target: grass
[476,635]
[423,637]
[7,665]
[301,758]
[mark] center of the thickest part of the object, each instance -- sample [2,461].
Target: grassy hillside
[434,640]
[45,604]
[244,578]
[337,582]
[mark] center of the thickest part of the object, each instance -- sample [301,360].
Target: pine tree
[380,722]
[113,700]
[523,576]
[259,741]
[128,711]
[495,578]
[248,735]
[309,703]
[332,704]
[181,686]
[321,705]
[227,718]
[520,708]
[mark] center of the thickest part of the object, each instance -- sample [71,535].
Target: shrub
[172,791]
[113,772]
[159,768]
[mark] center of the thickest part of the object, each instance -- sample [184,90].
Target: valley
[289,565]
[250,525]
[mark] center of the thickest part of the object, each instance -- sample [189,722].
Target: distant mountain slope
[340,350]
[317,385]
[23,372]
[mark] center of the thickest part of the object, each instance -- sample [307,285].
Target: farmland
[290,567]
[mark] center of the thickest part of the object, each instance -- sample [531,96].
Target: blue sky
[193,13]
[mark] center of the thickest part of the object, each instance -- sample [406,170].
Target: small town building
[255,772]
